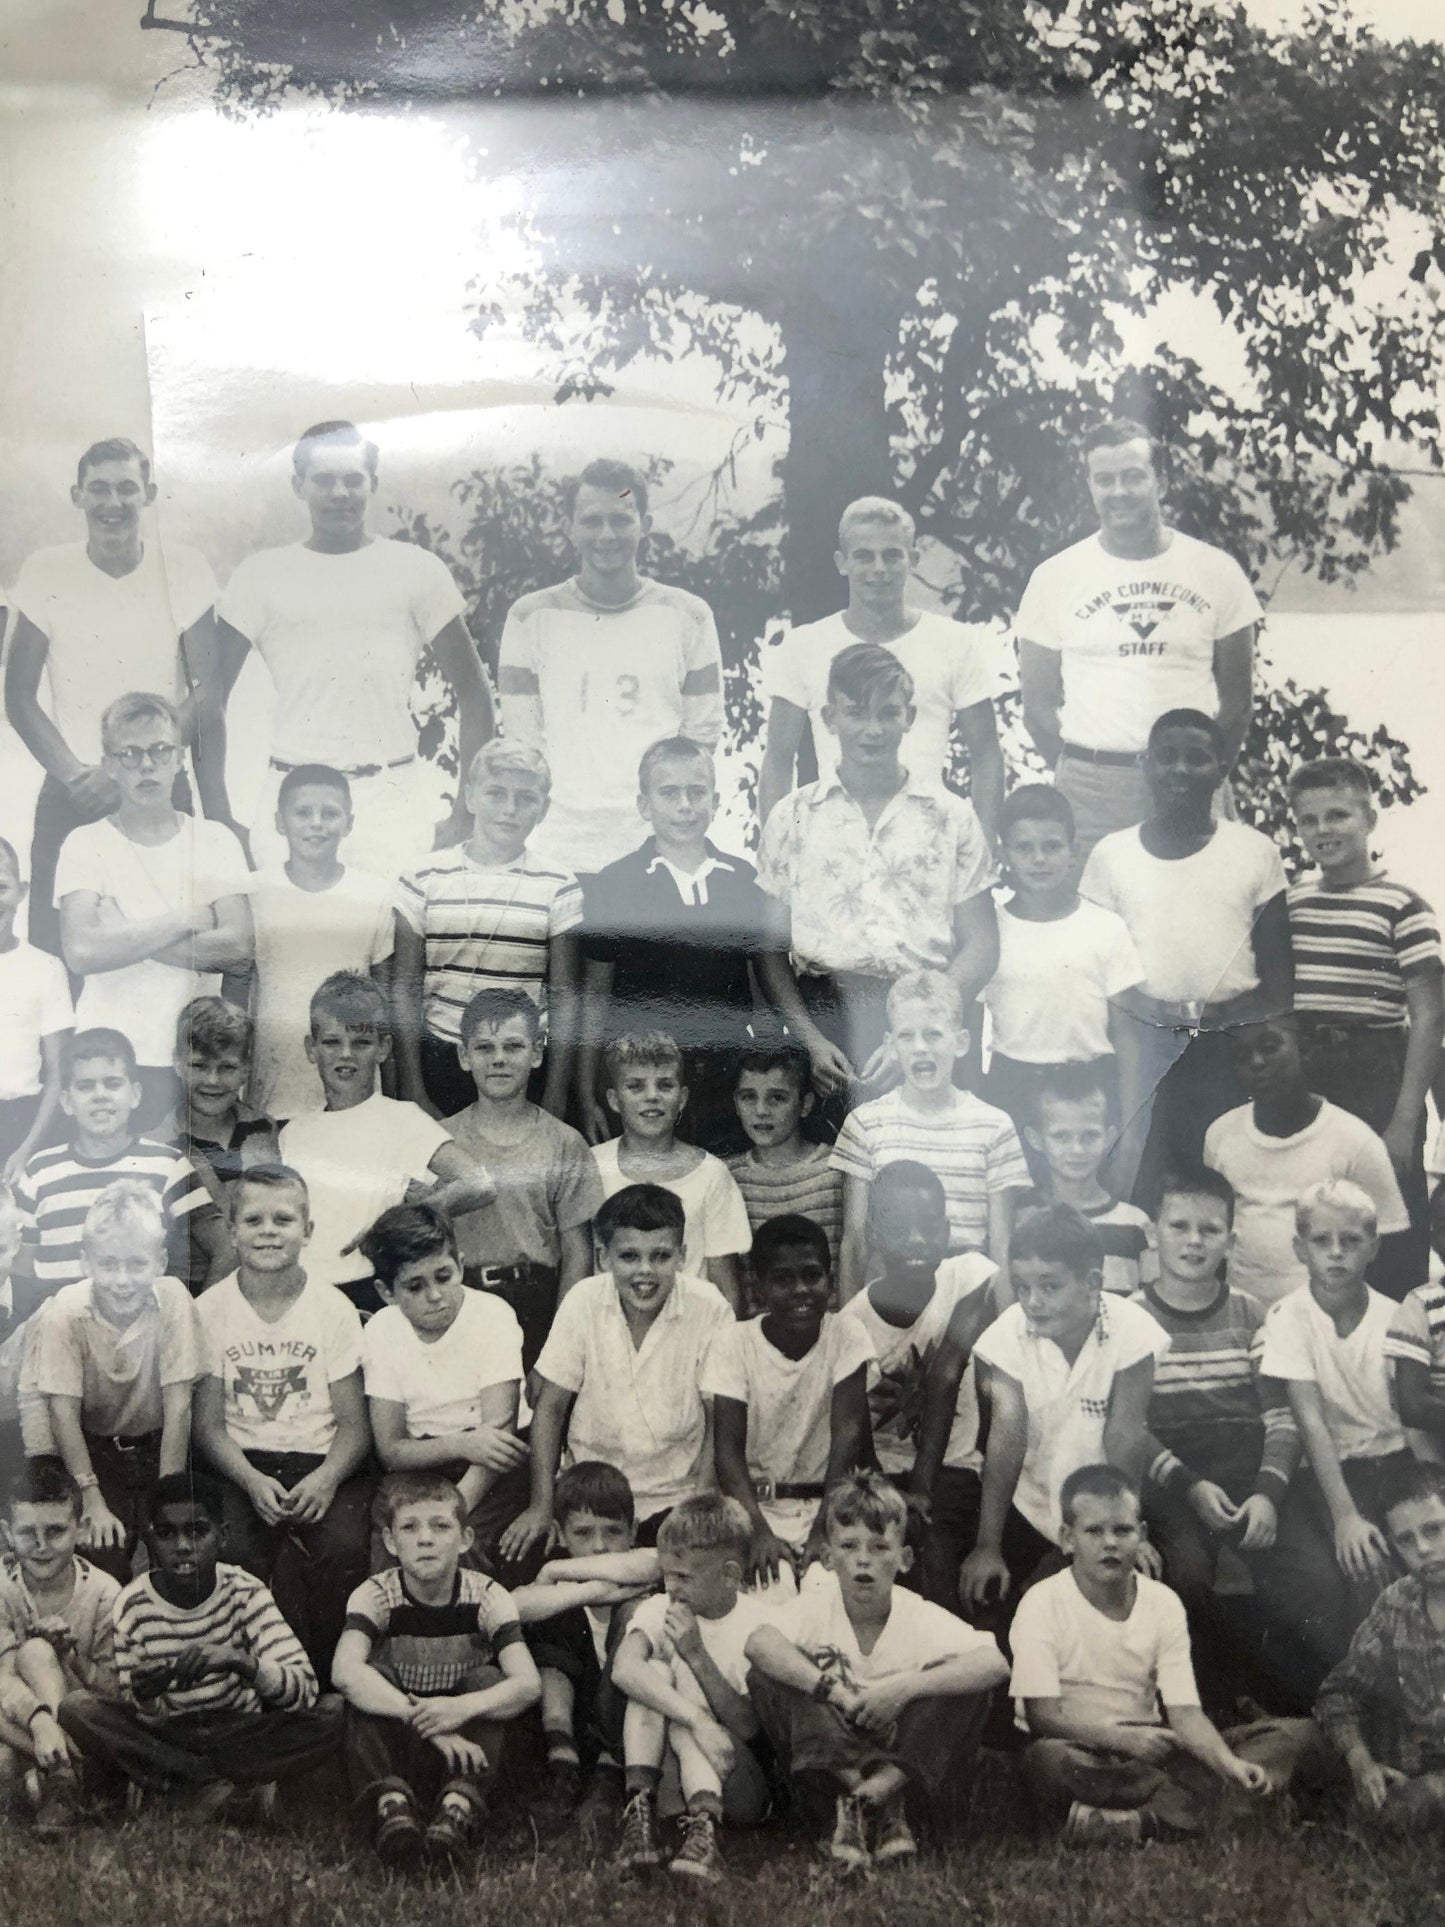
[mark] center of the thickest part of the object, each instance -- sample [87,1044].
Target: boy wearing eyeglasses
[153,903]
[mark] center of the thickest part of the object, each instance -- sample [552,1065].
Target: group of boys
[363,1391]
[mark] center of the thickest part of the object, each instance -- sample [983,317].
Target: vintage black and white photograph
[722,1014]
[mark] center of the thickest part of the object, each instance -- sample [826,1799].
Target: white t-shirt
[202,863]
[35,997]
[341,636]
[276,1377]
[1109,1669]
[1067,1404]
[1192,919]
[723,1638]
[356,1164]
[1271,1174]
[917,1634]
[1135,638]
[903,1355]
[110,635]
[1049,998]
[302,936]
[441,1383]
[716,1217]
[1353,1373]
[953,665]
[789,1400]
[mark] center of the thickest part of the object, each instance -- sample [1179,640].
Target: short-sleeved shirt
[484,927]
[1417,1332]
[110,634]
[903,1355]
[342,635]
[546,1181]
[1135,636]
[89,1636]
[879,901]
[431,1651]
[1357,947]
[440,1384]
[276,1374]
[810,1187]
[1124,1233]
[1192,919]
[1067,1404]
[716,1218]
[953,665]
[35,997]
[1302,1346]
[302,938]
[1271,1174]
[201,864]
[58,1186]
[610,682]
[973,1148]
[1049,999]
[917,1634]
[638,1407]
[1065,1649]
[723,1638]
[789,1400]
[356,1163]
[117,1373]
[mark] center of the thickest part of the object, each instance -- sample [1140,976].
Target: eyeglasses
[133,755]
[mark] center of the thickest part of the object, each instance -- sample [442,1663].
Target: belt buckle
[765,1489]
[494,1274]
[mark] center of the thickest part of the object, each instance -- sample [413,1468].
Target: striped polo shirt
[434,1649]
[811,1188]
[1417,1332]
[239,1615]
[483,926]
[973,1148]
[58,1187]
[1356,948]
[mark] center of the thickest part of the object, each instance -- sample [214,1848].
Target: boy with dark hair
[781,1173]
[533,1241]
[1071,1134]
[218,1692]
[213,1124]
[434,1668]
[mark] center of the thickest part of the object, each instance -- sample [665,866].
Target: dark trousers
[1191,1074]
[387,1756]
[1014,1086]
[1029,1557]
[934,1741]
[125,1470]
[311,1569]
[951,1533]
[17,1114]
[448,1086]
[851,1010]
[197,1749]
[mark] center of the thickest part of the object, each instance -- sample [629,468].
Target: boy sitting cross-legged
[780,1174]
[867,1690]
[433,1667]
[56,1635]
[683,1667]
[789,1392]
[1097,1648]
[218,1692]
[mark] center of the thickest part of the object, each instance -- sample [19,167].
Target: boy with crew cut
[789,1392]
[781,1173]
[366,1151]
[619,1374]
[313,915]
[671,934]
[533,1241]
[973,1148]
[217,1692]
[434,1669]
[869,1688]
[872,872]
[213,1124]
[645,1089]
[1071,1135]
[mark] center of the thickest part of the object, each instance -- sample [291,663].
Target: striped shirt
[430,1650]
[1417,1332]
[484,926]
[1124,1231]
[239,1614]
[811,1188]
[58,1187]
[1209,1416]
[1356,949]
[973,1148]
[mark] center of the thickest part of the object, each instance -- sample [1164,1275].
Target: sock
[561,1750]
[708,1803]
[642,1779]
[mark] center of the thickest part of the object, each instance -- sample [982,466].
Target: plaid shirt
[1389,1690]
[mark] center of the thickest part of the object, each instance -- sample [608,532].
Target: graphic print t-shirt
[276,1377]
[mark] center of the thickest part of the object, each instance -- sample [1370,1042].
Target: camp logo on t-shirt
[270,1385]
[1143,606]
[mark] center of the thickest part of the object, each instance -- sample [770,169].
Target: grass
[308,1869]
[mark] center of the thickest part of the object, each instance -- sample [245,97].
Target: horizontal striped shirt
[58,1187]
[811,1188]
[1417,1332]
[241,1615]
[484,926]
[1355,949]
[433,1649]
[973,1148]
[1208,1415]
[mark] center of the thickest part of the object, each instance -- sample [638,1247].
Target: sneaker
[59,1803]
[452,1831]
[638,1849]
[895,1837]
[598,1810]
[1088,1826]
[397,1834]
[849,1844]
[698,1857]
